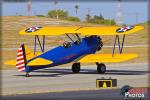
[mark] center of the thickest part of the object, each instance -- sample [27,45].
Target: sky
[132,12]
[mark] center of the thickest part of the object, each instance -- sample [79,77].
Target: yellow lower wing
[29,55]
[10,62]
[39,61]
[107,58]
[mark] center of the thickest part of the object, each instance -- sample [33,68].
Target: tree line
[99,20]
[62,14]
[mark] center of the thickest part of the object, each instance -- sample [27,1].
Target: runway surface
[61,79]
[84,95]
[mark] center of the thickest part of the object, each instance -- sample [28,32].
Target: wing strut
[120,45]
[41,44]
[76,36]
[69,37]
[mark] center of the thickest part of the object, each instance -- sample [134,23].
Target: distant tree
[96,17]
[107,22]
[40,15]
[99,20]
[113,22]
[72,18]
[76,9]
[61,13]
[101,17]
[88,18]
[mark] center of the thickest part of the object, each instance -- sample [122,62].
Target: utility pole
[76,9]
[55,3]
[88,14]
[89,10]
[119,19]
[136,17]
[29,7]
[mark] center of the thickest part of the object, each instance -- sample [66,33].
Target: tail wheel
[101,68]
[76,67]
[27,75]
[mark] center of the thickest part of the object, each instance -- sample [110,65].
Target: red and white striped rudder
[20,61]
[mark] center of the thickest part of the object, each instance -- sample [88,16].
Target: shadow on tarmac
[60,72]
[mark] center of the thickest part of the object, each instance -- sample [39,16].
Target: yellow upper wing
[96,30]
[49,30]
[107,30]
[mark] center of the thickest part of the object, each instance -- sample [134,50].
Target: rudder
[21,59]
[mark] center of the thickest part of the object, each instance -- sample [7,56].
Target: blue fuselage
[61,55]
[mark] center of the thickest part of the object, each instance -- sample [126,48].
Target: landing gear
[27,75]
[101,68]
[76,67]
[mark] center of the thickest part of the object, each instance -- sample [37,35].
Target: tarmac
[107,94]
[60,79]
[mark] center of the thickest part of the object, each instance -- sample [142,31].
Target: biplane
[79,50]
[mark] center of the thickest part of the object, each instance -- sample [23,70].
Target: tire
[27,75]
[101,68]
[76,68]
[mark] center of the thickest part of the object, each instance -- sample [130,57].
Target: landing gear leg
[76,67]
[101,68]
[27,74]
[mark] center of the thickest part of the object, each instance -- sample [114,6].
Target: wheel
[27,75]
[76,67]
[101,68]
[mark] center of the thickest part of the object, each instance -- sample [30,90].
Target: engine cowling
[100,43]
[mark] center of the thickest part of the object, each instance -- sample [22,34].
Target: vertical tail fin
[21,59]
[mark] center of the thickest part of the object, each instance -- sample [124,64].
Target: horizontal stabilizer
[10,62]
[39,61]
[107,58]
[29,55]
